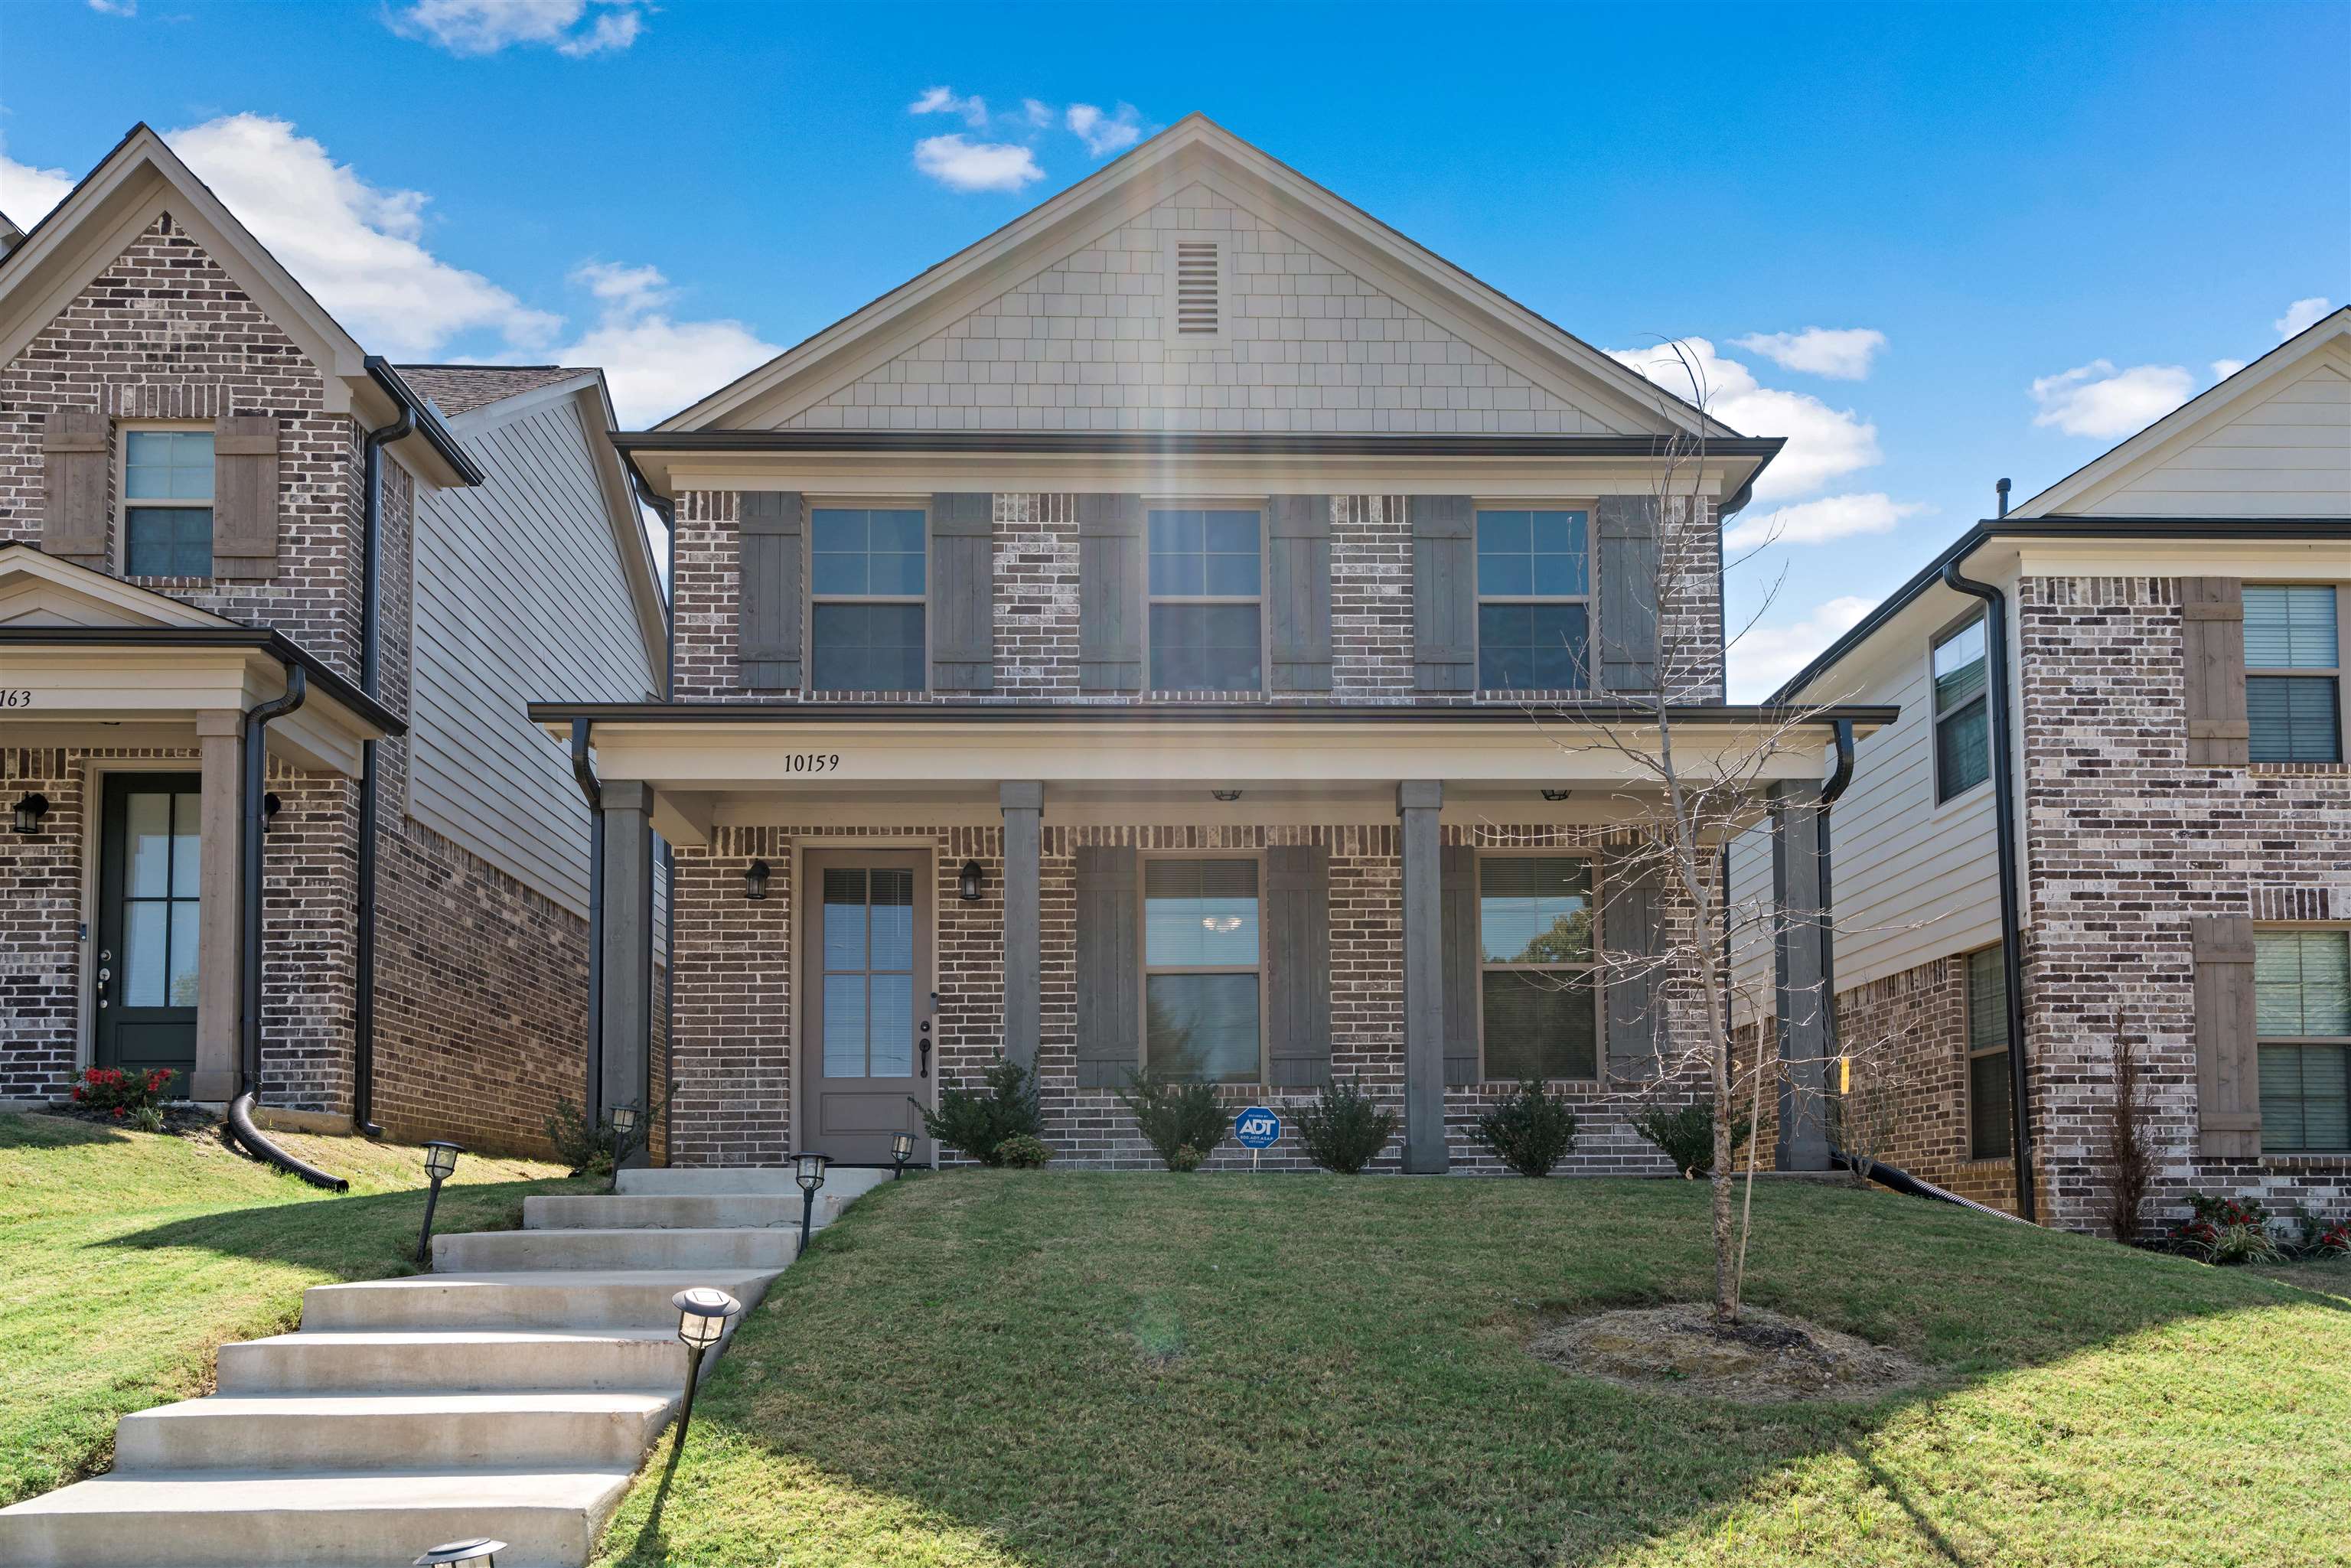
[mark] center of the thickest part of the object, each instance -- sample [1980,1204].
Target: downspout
[667,511]
[248,898]
[584,770]
[2011,924]
[371,681]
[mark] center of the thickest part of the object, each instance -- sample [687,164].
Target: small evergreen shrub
[1345,1129]
[1022,1152]
[1686,1134]
[1530,1132]
[980,1122]
[1183,1122]
[586,1147]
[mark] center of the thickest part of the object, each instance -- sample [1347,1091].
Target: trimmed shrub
[980,1122]
[1686,1134]
[1530,1132]
[1183,1122]
[1022,1152]
[1345,1129]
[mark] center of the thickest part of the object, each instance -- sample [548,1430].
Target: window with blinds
[1988,1086]
[2302,1016]
[1203,970]
[1962,712]
[2294,673]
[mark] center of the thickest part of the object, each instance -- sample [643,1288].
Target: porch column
[1800,940]
[1418,801]
[220,742]
[625,1051]
[1024,810]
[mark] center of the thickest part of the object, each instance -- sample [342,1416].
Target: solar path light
[808,1171]
[440,1160]
[702,1316]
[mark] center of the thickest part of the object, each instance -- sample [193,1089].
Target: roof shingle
[461,389]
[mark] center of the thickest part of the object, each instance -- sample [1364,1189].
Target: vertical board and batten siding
[2212,653]
[2228,1052]
[1110,966]
[962,599]
[1298,591]
[770,528]
[519,593]
[2289,455]
[1444,593]
[1297,927]
[1625,538]
[1110,576]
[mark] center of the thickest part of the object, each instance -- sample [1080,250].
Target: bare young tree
[2130,1145]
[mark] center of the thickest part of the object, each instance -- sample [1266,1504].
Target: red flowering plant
[2225,1230]
[121,1094]
[2334,1242]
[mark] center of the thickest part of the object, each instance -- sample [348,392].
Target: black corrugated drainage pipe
[584,769]
[2003,800]
[371,681]
[1902,1181]
[248,897]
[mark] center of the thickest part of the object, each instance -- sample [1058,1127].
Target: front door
[150,931]
[866,1048]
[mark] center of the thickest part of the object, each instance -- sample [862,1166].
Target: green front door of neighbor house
[150,931]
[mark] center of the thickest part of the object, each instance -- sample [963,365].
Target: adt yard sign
[1256,1128]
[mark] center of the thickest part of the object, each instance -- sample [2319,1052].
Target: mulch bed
[1764,1359]
[179,1121]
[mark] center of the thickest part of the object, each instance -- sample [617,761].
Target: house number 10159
[811,761]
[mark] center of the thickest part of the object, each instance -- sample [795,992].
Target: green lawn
[128,1257]
[1053,1369]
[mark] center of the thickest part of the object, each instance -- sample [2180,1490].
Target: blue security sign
[1256,1128]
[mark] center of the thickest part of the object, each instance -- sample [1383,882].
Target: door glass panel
[893,1049]
[893,920]
[146,955]
[844,920]
[149,839]
[187,849]
[185,928]
[844,1026]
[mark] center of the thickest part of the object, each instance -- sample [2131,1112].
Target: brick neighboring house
[1114,648]
[185,506]
[2175,643]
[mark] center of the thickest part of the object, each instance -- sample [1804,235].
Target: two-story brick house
[1119,646]
[2155,643]
[261,591]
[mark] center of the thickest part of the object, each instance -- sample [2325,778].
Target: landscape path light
[479,1553]
[902,1149]
[624,1122]
[702,1315]
[808,1171]
[440,1159]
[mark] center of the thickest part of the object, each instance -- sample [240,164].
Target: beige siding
[521,594]
[2289,454]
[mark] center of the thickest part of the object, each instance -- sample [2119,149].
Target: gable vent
[1197,268]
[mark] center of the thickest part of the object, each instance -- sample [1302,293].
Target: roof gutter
[2011,924]
[291,656]
[1189,714]
[427,421]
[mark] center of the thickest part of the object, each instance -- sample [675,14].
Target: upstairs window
[1962,710]
[1207,601]
[1534,600]
[2302,1016]
[2293,673]
[1203,977]
[167,503]
[867,570]
[1538,989]
[1989,1120]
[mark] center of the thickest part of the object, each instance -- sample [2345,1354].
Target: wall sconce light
[270,806]
[702,1314]
[1556,796]
[479,1553]
[967,882]
[808,1171]
[1226,796]
[30,809]
[624,1122]
[440,1160]
[754,880]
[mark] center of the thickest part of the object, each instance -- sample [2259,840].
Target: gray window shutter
[1110,966]
[245,497]
[1626,626]
[1632,927]
[1110,593]
[1298,965]
[1445,593]
[1464,977]
[770,596]
[1297,591]
[2212,645]
[74,478]
[963,592]
[2228,1053]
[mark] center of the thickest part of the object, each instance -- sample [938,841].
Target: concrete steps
[510,1393]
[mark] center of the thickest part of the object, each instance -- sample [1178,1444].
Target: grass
[990,1369]
[129,1256]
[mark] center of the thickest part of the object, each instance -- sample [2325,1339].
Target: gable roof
[461,389]
[116,201]
[2232,395]
[9,233]
[1195,150]
[37,588]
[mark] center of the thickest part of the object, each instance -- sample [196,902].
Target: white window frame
[1143,954]
[2299,1040]
[2342,738]
[812,505]
[1936,717]
[1588,599]
[123,431]
[1256,505]
[1592,967]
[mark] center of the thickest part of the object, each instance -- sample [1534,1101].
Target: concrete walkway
[512,1392]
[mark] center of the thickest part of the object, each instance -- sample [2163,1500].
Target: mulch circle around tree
[179,1121]
[1764,1359]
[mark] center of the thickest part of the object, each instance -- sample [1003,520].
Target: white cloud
[654,363]
[1821,522]
[1764,656]
[115,7]
[943,100]
[1840,353]
[961,164]
[1104,133]
[2300,316]
[353,246]
[2096,398]
[2223,369]
[27,193]
[1822,441]
[485,27]
[1038,113]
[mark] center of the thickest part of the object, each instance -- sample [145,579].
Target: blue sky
[2055,219]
